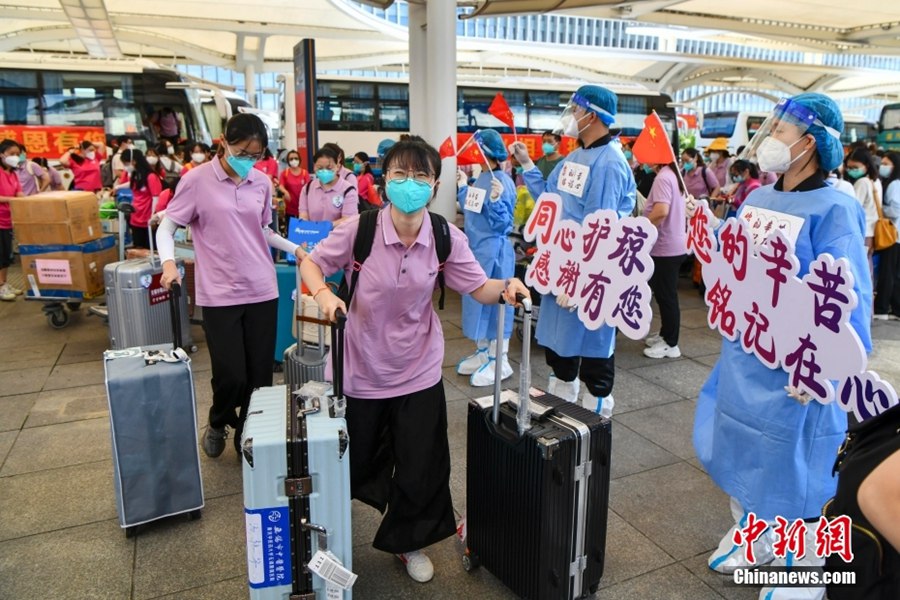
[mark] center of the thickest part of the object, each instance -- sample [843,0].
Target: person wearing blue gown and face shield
[770,448]
[487,230]
[575,353]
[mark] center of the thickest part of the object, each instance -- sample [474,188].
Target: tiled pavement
[59,537]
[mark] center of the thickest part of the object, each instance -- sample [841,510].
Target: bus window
[890,118]
[472,110]
[19,98]
[92,100]
[346,105]
[753,125]
[718,125]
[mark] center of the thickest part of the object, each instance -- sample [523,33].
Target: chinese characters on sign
[799,324]
[51,142]
[603,264]
[831,537]
[268,547]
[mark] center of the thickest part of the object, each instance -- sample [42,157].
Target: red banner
[50,141]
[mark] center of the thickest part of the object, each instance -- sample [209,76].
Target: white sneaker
[729,557]
[662,350]
[652,340]
[884,317]
[484,376]
[473,362]
[6,294]
[418,566]
[14,289]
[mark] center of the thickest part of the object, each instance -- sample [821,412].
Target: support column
[250,83]
[418,70]
[441,95]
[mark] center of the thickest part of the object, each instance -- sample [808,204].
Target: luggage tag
[329,567]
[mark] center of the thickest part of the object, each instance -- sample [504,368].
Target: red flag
[470,153]
[447,150]
[652,146]
[500,109]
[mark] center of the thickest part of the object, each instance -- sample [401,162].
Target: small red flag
[652,146]
[470,154]
[447,150]
[500,109]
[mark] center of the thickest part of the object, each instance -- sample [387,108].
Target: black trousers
[664,283]
[241,342]
[140,237]
[598,374]
[400,461]
[887,288]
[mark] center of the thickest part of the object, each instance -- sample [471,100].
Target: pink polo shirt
[394,341]
[234,265]
[10,187]
[86,175]
[329,204]
[672,232]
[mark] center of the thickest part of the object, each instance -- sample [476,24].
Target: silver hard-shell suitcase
[153,426]
[296,473]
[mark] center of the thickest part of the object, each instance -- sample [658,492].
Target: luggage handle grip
[175,311]
[337,353]
[523,418]
[321,534]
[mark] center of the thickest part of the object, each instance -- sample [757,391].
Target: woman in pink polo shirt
[396,411]
[228,205]
[328,197]
[10,187]
[666,210]
[85,166]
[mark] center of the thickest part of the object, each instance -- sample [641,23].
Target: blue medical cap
[598,100]
[826,129]
[385,145]
[492,144]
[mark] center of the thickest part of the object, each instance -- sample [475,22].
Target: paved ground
[59,536]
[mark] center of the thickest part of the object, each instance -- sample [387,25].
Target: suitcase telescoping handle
[175,311]
[337,353]
[523,419]
[301,318]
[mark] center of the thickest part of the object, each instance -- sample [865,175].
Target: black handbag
[875,562]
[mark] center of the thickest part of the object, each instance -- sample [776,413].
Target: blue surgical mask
[548,148]
[647,169]
[738,178]
[520,170]
[240,164]
[628,154]
[885,170]
[688,165]
[357,168]
[325,176]
[408,196]
[856,173]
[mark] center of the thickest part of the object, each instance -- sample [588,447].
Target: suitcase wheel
[470,561]
[195,515]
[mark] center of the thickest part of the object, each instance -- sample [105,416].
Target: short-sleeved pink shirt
[394,340]
[341,200]
[234,265]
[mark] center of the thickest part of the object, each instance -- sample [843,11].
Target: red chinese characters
[543,221]
[717,298]
[745,536]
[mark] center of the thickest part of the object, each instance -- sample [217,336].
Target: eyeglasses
[243,154]
[401,175]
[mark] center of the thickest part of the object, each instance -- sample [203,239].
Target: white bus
[735,126]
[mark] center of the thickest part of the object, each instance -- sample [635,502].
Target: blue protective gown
[487,232]
[767,450]
[610,185]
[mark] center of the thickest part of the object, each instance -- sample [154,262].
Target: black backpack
[106,174]
[365,236]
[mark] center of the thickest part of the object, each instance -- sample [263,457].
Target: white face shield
[576,116]
[771,145]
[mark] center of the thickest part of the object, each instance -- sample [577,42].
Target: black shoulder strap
[705,180]
[442,248]
[365,235]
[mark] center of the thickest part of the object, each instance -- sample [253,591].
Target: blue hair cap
[826,129]
[492,144]
[385,145]
[599,100]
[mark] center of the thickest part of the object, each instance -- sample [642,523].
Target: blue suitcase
[153,425]
[296,472]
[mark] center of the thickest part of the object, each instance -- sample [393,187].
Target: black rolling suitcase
[537,490]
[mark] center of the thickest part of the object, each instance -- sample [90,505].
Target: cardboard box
[56,218]
[67,270]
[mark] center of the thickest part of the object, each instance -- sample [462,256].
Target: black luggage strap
[365,237]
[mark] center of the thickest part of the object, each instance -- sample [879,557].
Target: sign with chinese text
[798,324]
[603,264]
[51,142]
[53,271]
[268,547]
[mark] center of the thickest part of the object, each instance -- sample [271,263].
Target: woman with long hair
[146,186]
[887,290]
